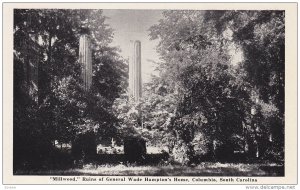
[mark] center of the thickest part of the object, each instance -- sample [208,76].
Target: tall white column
[85,58]
[135,73]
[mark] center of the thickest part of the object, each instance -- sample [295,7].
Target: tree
[214,98]
[61,110]
[261,36]
[148,117]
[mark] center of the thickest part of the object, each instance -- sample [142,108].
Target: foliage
[48,39]
[214,97]
[261,35]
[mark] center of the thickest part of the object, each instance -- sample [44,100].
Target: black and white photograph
[149,92]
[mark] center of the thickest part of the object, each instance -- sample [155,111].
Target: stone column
[135,74]
[85,59]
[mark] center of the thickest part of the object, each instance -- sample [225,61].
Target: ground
[204,169]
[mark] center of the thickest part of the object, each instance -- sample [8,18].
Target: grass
[204,169]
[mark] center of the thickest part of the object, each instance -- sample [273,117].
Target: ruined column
[135,74]
[85,59]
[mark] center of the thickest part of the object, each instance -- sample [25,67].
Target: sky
[133,25]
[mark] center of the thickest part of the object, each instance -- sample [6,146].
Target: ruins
[85,58]
[135,76]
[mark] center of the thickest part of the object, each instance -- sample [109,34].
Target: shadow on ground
[203,169]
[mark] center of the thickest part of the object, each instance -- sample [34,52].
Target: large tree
[261,37]
[48,39]
[214,97]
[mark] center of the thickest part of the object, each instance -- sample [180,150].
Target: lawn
[204,169]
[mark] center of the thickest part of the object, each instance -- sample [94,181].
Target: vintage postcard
[150,93]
